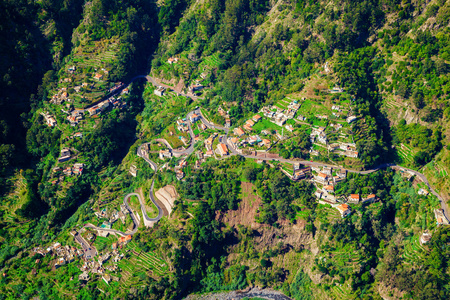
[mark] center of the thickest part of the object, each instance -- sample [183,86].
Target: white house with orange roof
[344,210]
[223,150]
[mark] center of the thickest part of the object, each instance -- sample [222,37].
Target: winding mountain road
[233,151]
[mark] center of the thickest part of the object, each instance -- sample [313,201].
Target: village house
[342,173]
[208,143]
[228,122]
[78,168]
[327,170]
[179,174]
[209,153]
[182,125]
[321,178]
[298,174]
[266,142]
[223,150]
[84,276]
[98,76]
[202,126]
[353,198]
[337,179]
[123,240]
[329,188]
[370,198]
[195,87]
[250,123]
[423,192]
[351,119]
[425,238]
[194,118]
[256,118]
[248,128]
[238,131]
[172,60]
[64,156]
[290,128]
[163,154]
[159,91]
[343,209]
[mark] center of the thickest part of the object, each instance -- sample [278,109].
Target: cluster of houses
[345,149]
[250,140]
[49,119]
[77,169]
[182,125]
[318,134]
[225,114]
[172,60]
[117,86]
[61,96]
[112,216]
[326,180]
[278,115]
[65,254]
[209,144]
[99,267]
[75,116]
[98,108]
[179,169]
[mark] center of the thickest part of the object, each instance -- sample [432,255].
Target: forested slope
[237,223]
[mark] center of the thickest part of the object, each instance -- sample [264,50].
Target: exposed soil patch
[167,196]
[265,236]
[245,214]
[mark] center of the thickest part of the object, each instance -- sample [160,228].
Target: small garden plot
[414,252]
[310,108]
[213,61]
[265,124]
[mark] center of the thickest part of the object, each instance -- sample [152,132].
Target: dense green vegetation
[237,223]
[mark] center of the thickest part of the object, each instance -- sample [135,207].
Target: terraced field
[343,292]
[406,153]
[414,251]
[148,260]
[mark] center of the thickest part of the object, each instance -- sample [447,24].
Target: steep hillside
[305,144]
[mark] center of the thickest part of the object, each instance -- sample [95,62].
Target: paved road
[233,151]
[319,164]
[89,251]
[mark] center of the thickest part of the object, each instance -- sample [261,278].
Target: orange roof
[439,220]
[371,196]
[234,140]
[250,123]
[128,238]
[246,127]
[329,187]
[266,141]
[342,207]
[256,117]
[223,148]
[354,196]
[322,175]
[209,152]
[239,131]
